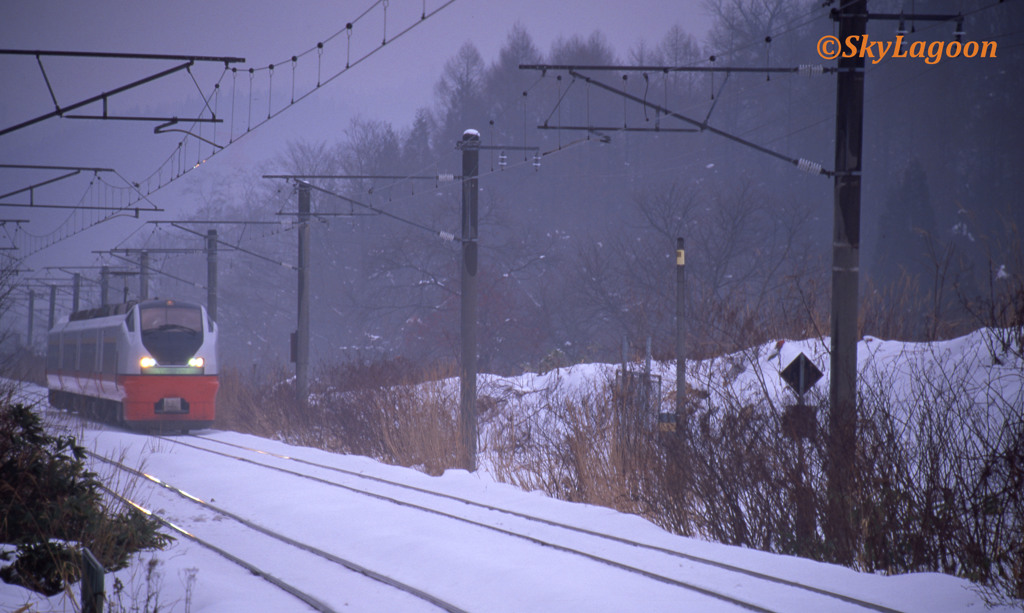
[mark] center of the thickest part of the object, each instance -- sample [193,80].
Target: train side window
[109,354]
[53,353]
[70,352]
[87,359]
[130,320]
[209,322]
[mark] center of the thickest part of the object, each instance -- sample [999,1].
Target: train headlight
[147,362]
[196,362]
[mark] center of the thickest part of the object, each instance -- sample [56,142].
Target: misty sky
[390,85]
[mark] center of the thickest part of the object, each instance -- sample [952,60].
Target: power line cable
[180,170]
[446,236]
[159,271]
[175,164]
[237,248]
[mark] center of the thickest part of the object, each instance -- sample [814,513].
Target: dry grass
[419,424]
[380,410]
[937,470]
[939,485]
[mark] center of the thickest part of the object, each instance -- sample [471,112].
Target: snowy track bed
[259,552]
[744,587]
[403,541]
[482,546]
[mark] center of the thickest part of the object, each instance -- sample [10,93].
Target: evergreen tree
[416,149]
[460,95]
[51,506]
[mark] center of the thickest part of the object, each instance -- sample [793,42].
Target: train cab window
[163,317]
[171,331]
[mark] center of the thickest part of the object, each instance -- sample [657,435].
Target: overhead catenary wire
[444,235]
[237,248]
[801,20]
[272,113]
[802,69]
[441,177]
[113,198]
[572,69]
[159,271]
[879,94]
[811,69]
[798,162]
[319,48]
[789,26]
[174,165]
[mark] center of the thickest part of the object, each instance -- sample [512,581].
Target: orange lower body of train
[152,401]
[158,402]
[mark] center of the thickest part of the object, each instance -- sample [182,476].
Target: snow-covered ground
[474,568]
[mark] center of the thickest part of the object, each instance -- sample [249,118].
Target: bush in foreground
[51,506]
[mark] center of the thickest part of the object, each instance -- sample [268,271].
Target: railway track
[316,603]
[684,570]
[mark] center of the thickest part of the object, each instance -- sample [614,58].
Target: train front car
[150,365]
[169,370]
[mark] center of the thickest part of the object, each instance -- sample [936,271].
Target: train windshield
[171,331]
[169,317]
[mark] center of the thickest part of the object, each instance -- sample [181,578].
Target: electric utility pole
[144,275]
[470,146]
[841,448]
[680,327]
[104,285]
[211,273]
[53,308]
[302,333]
[31,315]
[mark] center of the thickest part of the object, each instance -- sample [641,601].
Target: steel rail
[353,566]
[613,563]
[287,587]
[557,524]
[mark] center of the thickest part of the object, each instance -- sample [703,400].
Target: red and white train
[149,365]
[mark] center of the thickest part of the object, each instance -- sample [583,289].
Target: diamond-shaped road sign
[801,374]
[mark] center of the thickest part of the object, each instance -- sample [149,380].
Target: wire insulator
[811,70]
[270,91]
[446,236]
[445,177]
[808,166]
[348,45]
[319,58]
